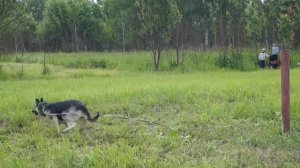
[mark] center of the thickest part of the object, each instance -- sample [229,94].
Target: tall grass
[142,61]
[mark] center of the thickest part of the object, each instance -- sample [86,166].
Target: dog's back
[70,110]
[65,106]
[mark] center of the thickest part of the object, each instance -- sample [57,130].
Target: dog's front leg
[55,119]
[70,126]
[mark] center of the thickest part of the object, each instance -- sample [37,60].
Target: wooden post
[285,91]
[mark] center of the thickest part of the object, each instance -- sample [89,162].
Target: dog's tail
[89,118]
[94,118]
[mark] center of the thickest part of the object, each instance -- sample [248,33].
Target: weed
[95,63]
[46,70]
[231,59]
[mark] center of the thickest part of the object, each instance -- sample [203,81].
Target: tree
[17,27]
[237,22]
[254,23]
[289,25]
[296,18]
[160,17]
[90,25]
[72,25]
[117,22]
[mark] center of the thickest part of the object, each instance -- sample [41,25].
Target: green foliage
[17,27]
[254,21]
[98,63]
[160,17]
[207,61]
[45,70]
[71,26]
[86,25]
[173,64]
[87,63]
[231,60]
[118,24]
[286,36]
[3,74]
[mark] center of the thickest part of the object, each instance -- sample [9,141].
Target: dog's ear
[42,100]
[37,101]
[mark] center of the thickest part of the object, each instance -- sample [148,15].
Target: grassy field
[207,118]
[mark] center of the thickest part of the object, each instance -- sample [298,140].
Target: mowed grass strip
[217,119]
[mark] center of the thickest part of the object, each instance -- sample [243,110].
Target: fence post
[285,90]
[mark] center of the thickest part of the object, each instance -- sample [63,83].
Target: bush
[3,74]
[94,63]
[173,65]
[231,60]
[45,70]
[79,63]
[19,60]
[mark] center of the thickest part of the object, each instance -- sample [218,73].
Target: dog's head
[39,107]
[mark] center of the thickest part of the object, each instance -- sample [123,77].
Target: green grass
[218,118]
[131,61]
[143,62]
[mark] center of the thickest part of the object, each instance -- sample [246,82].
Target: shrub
[95,63]
[76,64]
[230,60]
[46,70]
[3,74]
[173,65]
[19,60]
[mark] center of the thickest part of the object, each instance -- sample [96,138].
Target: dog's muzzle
[35,112]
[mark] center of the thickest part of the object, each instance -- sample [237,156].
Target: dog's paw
[58,135]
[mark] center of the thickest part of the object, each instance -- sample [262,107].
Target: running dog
[67,112]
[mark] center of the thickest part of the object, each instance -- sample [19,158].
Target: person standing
[274,56]
[262,58]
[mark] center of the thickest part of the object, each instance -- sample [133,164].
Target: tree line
[122,25]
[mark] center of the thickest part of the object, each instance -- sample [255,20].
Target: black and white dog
[67,112]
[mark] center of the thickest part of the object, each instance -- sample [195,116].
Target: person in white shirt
[274,56]
[275,49]
[262,58]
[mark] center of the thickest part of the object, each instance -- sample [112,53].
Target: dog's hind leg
[83,124]
[55,119]
[70,126]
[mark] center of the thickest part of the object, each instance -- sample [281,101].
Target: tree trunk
[297,38]
[123,32]
[154,57]
[222,40]
[182,54]
[177,56]
[16,45]
[84,43]
[156,51]
[158,59]
[266,34]
[22,61]
[144,41]
[239,35]
[206,38]
[273,34]
[76,38]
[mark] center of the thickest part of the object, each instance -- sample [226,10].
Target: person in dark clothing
[274,57]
